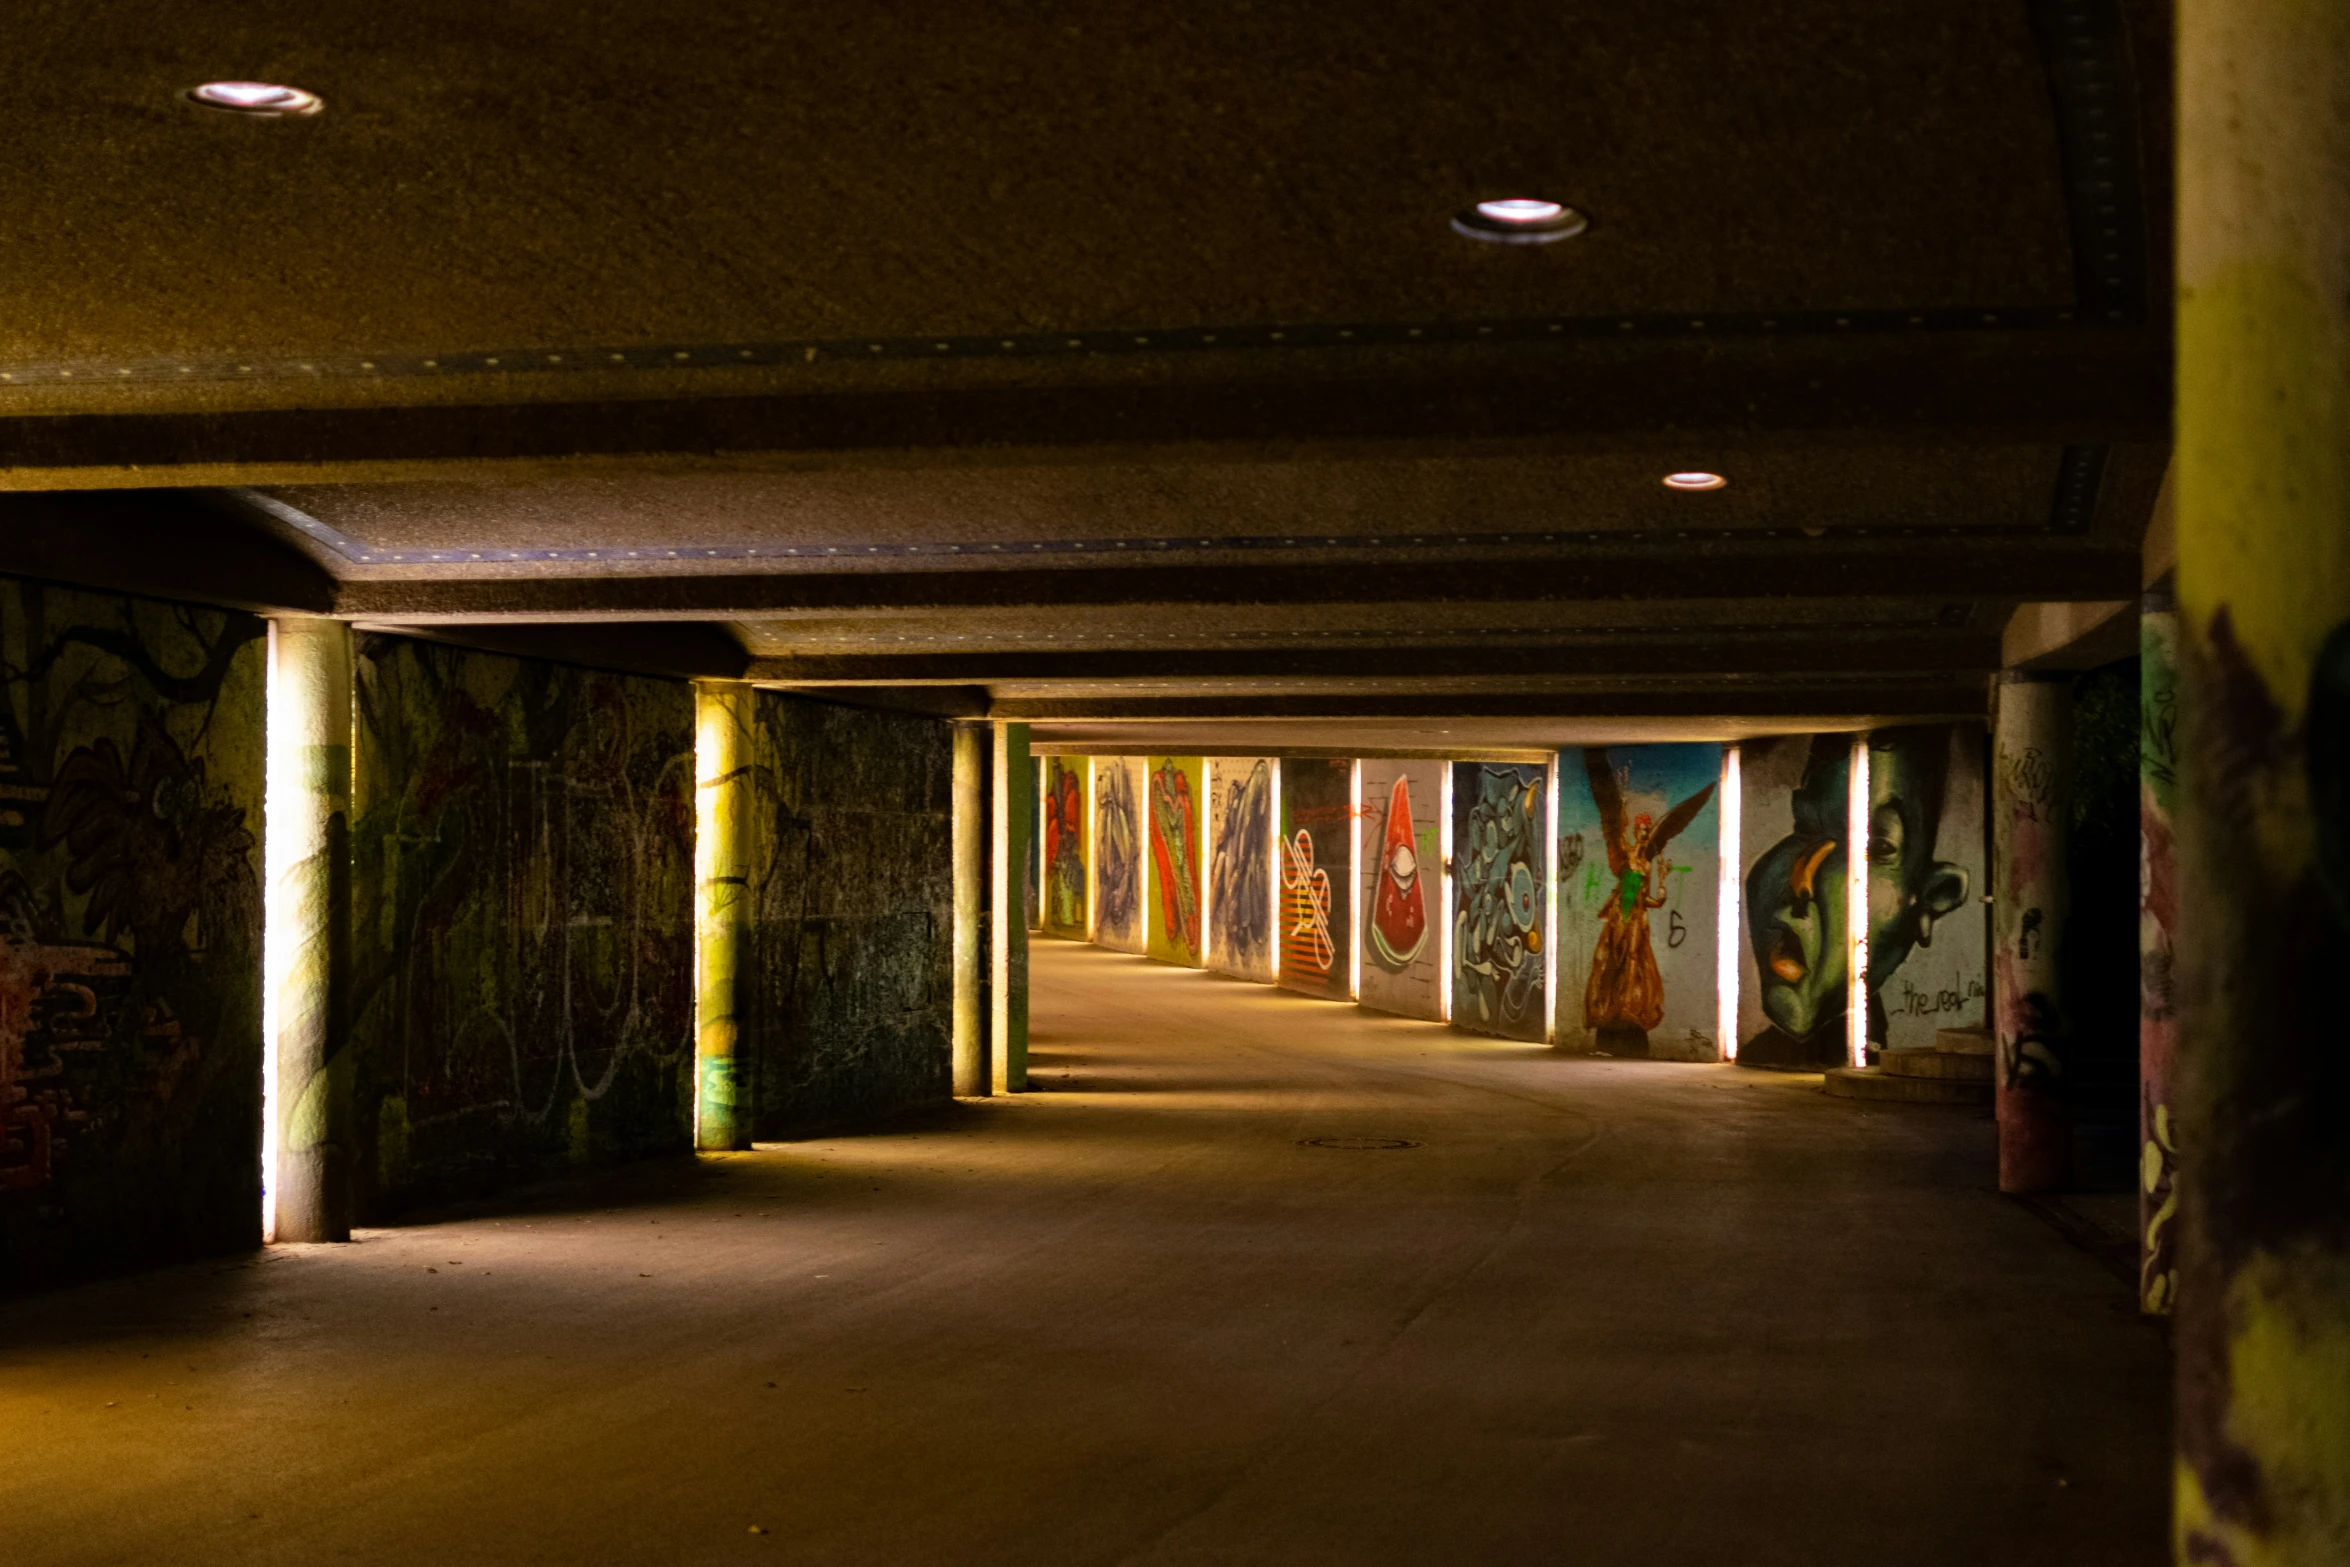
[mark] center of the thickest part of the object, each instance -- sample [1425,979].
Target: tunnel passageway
[1181,1304]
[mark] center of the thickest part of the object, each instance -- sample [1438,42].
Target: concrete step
[1966,1041]
[1868,1082]
[1964,1066]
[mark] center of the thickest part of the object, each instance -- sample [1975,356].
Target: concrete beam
[1634,568]
[175,544]
[1935,699]
[678,649]
[1636,654]
[1946,385]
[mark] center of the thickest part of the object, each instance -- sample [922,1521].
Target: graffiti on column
[1240,864]
[1175,859]
[1500,862]
[1401,883]
[1117,855]
[1796,796]
[2031,1021]
[1316,855]
[1064,845]
[2158,1274]
[1639,862]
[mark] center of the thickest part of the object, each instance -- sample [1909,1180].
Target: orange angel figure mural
[1625,989]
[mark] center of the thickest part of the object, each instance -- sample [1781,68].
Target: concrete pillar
[2263,818]
[724,720]
[2158,1029]
[971,901]
[309,935]
[2031,799]
[1015,795]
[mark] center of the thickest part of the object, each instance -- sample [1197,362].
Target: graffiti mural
[1639,876]
[1240,866]
[1176,863]
[853,909]
[131,783]
[1927,969]
[1063,815]
[1501,861]
[522,903]
[1794,979]
[1403,888]
[2158,911]
[1317,876]
[1119,790]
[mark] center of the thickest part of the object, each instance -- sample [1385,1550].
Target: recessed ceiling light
[1519,220]
[264,100]
[1694,481]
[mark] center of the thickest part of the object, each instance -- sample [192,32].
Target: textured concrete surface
[1605,1311]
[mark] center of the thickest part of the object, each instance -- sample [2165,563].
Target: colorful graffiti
[1175,859]
[1064,845]
[1638,865]
[131,784]
[522,893]
[1316,851]
[1500,862]
[1795,1000]
[1117,852]
[1240,861]
[1403,888]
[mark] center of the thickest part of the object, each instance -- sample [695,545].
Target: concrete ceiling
[1111,365]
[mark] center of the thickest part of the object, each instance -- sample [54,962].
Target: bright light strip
[1694,479]
[1550,902]
[1354,871]
[1273,869]
[1444,890]
[1093,894]
[1204,803]
[1727,911]
[276,941]
[1856,903]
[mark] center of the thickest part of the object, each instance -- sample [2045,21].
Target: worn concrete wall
[1062,818]
[522,895]
[1501,868]
[1241,867]
[1639,886]
[1401,884]
[853,1014]
[131,783]
[1121,872]
[1175,907]
[1317,876]
[1928,966]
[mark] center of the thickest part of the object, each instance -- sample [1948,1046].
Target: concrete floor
[1606,1312]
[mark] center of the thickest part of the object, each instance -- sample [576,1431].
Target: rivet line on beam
[802,354]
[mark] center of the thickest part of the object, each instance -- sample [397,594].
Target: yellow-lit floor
[1604,1312]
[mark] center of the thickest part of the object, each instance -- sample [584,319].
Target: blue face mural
[1499,864]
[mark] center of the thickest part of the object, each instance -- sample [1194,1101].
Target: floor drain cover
[1356,1144]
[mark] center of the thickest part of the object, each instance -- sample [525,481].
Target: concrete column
[2158,1029]
[309,936]
[1015,794]
[724,719]
[970,829]
[2263,940]
[2031,798]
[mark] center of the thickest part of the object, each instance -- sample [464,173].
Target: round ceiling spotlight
[1519,220]
[1694,480]
[260,100]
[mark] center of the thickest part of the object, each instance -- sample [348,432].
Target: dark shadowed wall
[522,889]
[855,914]
[131,779]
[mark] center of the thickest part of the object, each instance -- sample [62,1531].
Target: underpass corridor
[1245,1277]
